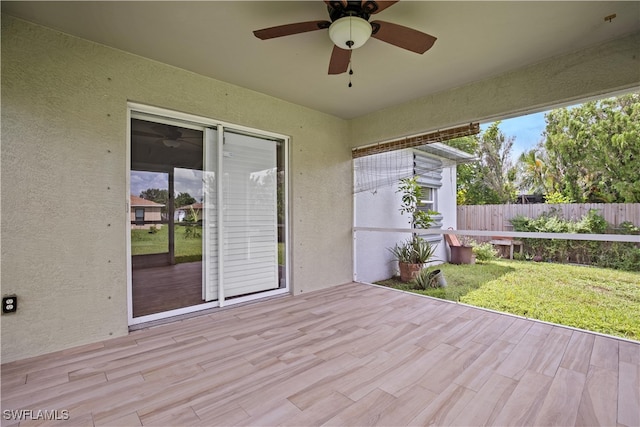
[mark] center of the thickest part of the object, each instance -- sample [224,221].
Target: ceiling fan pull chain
[350,73]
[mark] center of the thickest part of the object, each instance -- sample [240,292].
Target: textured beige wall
[64,104]
[612,66]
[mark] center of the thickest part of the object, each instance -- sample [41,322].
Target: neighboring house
[183,212]
[67,124]
[145,213]
[435,167]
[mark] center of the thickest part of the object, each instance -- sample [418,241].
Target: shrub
[192,226]
[484,252]
[549,222]
[619,256]
[426,279]
[592,223]
[627,227]
[557,198]
[525,256]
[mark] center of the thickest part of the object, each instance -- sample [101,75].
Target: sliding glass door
[242,237]
[239,213]
[210,223]
[250,218]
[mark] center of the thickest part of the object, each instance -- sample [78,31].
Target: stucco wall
[599,70]
[380,209]
[64,104]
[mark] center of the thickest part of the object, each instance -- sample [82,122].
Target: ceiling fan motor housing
[338,10]
[350,32]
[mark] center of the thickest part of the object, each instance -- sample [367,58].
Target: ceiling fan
[350,28]
[168,135]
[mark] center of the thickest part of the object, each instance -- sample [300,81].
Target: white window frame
[429,203]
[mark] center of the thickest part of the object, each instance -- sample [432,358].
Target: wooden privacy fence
[496,217]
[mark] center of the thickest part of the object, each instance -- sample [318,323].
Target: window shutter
[428,170]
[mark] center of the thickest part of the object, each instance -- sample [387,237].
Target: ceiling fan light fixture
[171,143]
[350,32]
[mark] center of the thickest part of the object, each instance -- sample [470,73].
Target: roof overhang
[445,151]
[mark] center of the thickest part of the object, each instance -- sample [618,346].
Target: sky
[527,131]
[186,181]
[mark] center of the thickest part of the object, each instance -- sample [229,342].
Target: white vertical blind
[210,217]
[250,228]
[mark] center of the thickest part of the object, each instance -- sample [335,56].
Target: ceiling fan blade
[167,131]
[339,60]
[401,36]
[192,143]
[373,7]
[289,29]
[147,134]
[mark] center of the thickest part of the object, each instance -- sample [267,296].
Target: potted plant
[412,255]
[415,252]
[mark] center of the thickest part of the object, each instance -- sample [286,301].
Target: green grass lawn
[595,299]
[187,249]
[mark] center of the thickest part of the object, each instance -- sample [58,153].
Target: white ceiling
[476,40]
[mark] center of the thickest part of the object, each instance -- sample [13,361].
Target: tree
[465,172]
[159,196]
[184,199]
[156,195]
[491,179]
[533,172]
[494,149]
[594,149]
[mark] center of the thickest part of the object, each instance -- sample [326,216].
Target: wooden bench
[506,241]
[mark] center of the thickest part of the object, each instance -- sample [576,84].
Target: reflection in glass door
[166,210]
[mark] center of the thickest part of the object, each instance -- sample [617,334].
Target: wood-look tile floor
[349,355]
[158,289]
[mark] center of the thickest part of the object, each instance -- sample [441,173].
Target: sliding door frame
[220,126]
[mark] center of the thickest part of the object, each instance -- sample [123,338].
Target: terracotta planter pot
[462,255]
[408,272]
